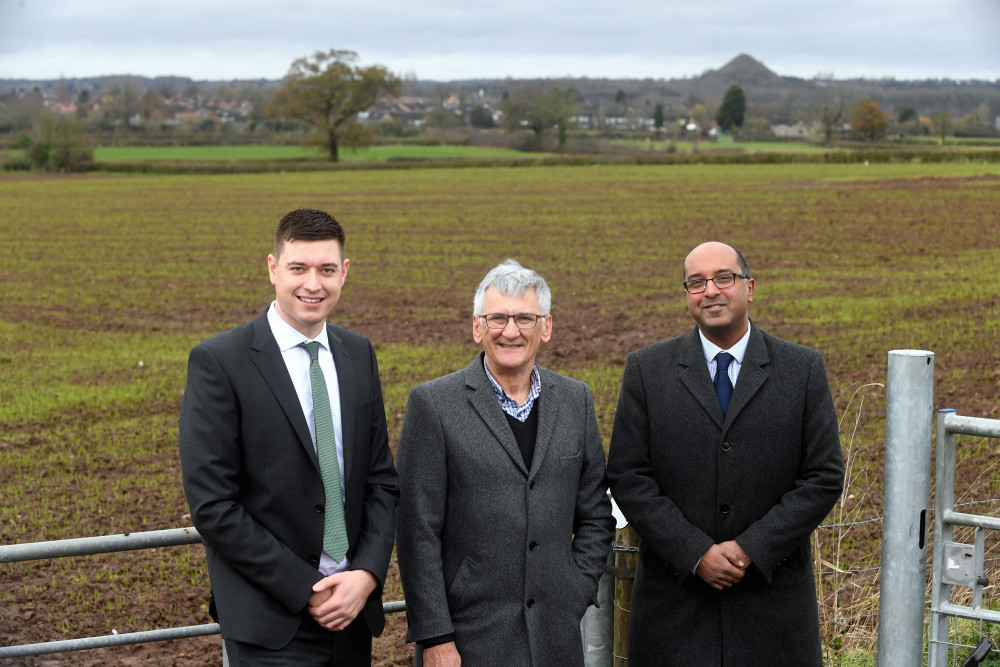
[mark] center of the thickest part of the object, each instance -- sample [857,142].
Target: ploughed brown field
[108,281]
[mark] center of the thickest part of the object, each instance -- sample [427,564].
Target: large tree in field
[327,91]
[869,122]
[538,111]
[942,125]
[733,109]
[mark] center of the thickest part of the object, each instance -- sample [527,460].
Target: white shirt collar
[738,351]
[286,336]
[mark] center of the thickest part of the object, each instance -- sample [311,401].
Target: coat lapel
[484,402]
[752,375]
[345,380]
[548,410]
[694,374]
[265,355]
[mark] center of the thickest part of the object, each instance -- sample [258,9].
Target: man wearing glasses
[725,456]
[504,524]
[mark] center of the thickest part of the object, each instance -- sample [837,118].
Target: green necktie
[334,528]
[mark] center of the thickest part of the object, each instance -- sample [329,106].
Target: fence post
[626,560]
[903,582]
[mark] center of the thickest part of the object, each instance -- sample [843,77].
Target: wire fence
[848,589]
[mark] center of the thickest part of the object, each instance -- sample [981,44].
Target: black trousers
[312,646]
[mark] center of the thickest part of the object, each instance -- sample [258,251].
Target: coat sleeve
[423,483]
[593,524]
[819,484]
[656,517]
[210,451]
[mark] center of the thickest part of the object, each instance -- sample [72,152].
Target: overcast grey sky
[448,39]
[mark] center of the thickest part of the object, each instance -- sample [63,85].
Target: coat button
[726,446]
[531,602]
[531,545]
[319,509]
[314,559]
[531,485]
[724,508]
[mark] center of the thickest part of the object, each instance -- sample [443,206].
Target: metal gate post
[902,590]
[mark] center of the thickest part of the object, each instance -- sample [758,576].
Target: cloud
[441,39]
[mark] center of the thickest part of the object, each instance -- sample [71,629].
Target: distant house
[197,116]
[63,107]
[799,130]
[411,118]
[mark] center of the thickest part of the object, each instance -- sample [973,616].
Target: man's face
[307,278]
[510,350]
[721,314]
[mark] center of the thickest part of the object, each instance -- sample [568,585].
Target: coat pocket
[571,459]
[464,580]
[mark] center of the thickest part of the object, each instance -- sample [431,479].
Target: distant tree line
[329,101]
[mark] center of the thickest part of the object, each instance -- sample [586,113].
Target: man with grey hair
[504,524]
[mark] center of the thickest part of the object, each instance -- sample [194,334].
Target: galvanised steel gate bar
[85,546]
[956,564]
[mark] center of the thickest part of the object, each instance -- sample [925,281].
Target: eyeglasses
[521,320]
[698,285]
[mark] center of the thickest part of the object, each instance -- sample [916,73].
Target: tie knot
[723,359]
[312,348]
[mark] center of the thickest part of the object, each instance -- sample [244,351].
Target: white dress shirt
[297,361]
[737,351]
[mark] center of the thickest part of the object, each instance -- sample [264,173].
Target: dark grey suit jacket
[505,557]
[686,478]
[253,483]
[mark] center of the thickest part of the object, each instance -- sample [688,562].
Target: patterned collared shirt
[516,410]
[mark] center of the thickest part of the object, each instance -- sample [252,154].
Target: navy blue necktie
[723,386]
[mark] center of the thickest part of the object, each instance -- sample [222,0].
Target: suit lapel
[265,355]
[484,402]
[345,380]
[548,410]
[695,376]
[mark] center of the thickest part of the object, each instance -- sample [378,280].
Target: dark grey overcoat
[686,478]
[505,558]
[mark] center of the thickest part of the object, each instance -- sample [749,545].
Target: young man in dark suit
[725,456]
[287,468]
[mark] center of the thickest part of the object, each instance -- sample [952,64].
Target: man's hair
[307,224]
[512,279]
[744,268]
[740,259]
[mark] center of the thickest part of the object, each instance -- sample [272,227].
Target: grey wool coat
[504,557]
[686,478]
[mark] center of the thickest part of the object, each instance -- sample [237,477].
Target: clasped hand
[339,598]
[723,565]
